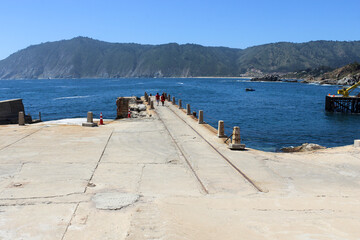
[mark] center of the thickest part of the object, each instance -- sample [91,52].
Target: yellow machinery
[345,91]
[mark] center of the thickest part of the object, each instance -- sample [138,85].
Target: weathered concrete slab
[50,175]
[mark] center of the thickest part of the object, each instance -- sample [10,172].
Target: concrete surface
[164,181]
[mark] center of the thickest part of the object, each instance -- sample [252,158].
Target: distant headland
[83,57]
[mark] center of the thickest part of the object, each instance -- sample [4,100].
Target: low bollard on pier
[21,120]
[173,101]
[180,103]
[188,111]
[151,104]
[89,121]
[201,117]
[169,98]
[221,131]
[236,140]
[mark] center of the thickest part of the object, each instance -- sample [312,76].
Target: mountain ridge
[84,57]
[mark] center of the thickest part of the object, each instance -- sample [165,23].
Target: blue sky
[230,23]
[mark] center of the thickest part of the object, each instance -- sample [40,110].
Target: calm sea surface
[273,116]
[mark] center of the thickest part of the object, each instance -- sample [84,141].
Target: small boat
[249,89]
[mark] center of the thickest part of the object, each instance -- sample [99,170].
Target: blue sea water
[275,115]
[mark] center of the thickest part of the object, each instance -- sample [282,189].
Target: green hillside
[83,57]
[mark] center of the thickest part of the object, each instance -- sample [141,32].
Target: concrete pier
[168,177]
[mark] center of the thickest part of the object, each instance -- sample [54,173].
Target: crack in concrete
[21,138]
[97,164]
[53,196]
[72,217]
[39,203]
[140,179]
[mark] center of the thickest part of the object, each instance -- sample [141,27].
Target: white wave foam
[181,83]
[72,97]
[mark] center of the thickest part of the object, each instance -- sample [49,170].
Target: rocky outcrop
[267,78]
[303,148]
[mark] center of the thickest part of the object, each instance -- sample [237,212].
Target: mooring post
[89,121]
[40,116]
[151,104]
[221,132]
[188,112]
[173,101]
[180,103]
[356,143]
[149,100]
[21,119]
[236,140]
[169,98]
[145,96]
[201,117]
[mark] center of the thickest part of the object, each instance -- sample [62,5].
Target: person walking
[162,99]
[157,98]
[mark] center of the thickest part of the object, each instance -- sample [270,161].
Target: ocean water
[274,116]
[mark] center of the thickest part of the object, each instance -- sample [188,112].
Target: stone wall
[9,111]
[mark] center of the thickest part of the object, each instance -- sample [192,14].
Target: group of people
[160,98]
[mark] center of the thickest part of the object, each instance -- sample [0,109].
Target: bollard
[236,140]
[151,104]
[21,119]
[89,121]
[201,117]
[40,116]
[149,100]
[188,112]
[169,98]
[180,103]
[145,96]
[356,143]
[221,132]
[165,95]
[173,101]
[194,113]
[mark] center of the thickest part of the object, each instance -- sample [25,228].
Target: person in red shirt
[162,99]
[157,98]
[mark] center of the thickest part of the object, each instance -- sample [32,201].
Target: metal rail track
[225,158]
[187,161]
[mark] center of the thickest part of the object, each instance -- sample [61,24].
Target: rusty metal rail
[225,158]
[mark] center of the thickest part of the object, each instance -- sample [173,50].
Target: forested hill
[83,57]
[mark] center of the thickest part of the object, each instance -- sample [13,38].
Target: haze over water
[273,116]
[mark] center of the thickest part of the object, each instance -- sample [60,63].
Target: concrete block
[237,146]
[356,143]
